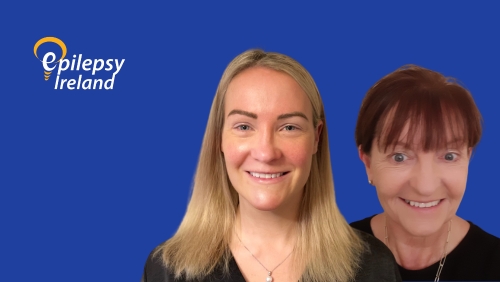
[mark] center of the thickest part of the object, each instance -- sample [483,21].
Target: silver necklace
[269,278]
[443,257]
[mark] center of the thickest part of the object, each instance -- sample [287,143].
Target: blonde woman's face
[268,138]
[419,190]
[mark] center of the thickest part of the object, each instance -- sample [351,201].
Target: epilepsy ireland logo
[78,64]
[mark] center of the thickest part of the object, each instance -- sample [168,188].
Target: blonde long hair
[327,248]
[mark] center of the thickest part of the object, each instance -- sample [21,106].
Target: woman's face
[420,191]
[268,138]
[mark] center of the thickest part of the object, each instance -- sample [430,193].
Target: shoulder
[377,262]
[375,249]
[363,225]
[476,257]
[486,238]
[155,270]
[478,240]
[486,245]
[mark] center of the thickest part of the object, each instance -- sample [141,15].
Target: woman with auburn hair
[415,133]
[262,206]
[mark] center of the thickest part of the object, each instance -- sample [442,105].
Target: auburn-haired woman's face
[420,190]
[268,138]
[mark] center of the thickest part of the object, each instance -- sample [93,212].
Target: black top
[475,258]
[377,264]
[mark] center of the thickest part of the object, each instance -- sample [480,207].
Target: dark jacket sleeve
[378,263]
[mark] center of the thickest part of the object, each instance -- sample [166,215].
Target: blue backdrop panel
[92,180]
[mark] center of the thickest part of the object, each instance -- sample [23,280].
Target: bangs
[434,119]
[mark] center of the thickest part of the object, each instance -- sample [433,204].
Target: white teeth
[266,175]
[422,205]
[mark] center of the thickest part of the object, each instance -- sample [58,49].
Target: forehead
[264,90]
[421,132]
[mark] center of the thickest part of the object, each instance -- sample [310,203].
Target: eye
[450,157]
[243,127]
[289,127]
[399,157]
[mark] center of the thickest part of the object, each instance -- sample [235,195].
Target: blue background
[91,181]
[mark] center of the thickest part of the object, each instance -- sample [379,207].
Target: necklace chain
[269,272]
[443,257]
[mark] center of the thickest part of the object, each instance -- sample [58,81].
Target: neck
[266,229]
[417,252]
[265,240]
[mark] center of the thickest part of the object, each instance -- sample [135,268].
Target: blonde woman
[263,206]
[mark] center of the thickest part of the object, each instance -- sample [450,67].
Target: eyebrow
[293,114]
[254,116]
[244,113]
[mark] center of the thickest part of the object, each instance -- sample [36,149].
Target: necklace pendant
[269,277]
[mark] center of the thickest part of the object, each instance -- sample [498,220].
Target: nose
[425,177]
[265,147]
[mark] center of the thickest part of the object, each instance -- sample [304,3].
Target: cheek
[299,154]
[456,182]
[389,183]
[234,153]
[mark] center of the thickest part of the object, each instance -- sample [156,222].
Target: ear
[317,134]
[366,159]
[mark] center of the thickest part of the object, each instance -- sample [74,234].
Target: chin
[266,204]
[268,200]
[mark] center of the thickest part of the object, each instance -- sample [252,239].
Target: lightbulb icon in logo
[50,57]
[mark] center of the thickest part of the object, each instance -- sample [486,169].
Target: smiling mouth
[267,175]
[422,204]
